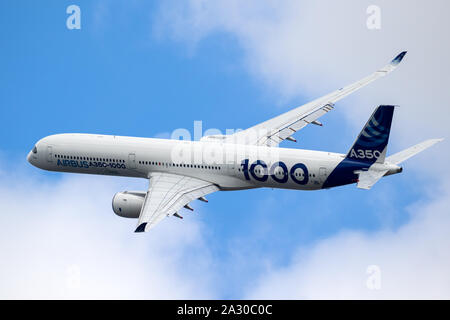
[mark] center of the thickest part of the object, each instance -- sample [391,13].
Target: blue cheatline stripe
[344,173]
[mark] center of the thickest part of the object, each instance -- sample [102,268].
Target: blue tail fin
[371,145]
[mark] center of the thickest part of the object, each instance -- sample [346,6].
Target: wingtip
[399,58]
[435,140]
[141,227]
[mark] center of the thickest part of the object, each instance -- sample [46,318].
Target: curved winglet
[399,58]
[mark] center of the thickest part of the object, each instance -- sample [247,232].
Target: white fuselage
[229,166]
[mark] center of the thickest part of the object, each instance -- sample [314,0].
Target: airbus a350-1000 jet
[181,171]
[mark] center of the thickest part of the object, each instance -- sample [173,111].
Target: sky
[147,68]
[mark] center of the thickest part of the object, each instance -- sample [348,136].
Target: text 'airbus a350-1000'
[181,171]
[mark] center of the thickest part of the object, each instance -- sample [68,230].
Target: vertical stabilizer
[371,144]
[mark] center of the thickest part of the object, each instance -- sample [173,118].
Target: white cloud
[53,230]
[414,262]
[313,47]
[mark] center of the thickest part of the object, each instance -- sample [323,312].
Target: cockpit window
[34,149]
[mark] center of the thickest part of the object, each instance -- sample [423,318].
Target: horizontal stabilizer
[368,178]
[412,151]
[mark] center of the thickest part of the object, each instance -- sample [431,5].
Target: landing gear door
[49,153]
[322,174]
[132,161]
[230,161]
[231,169]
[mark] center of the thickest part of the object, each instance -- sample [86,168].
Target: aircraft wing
[275,130]
[167,193]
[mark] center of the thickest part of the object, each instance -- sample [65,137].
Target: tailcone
[394,169]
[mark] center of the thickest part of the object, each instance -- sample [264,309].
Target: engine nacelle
[128,204]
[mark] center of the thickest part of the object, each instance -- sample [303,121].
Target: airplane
[180,171]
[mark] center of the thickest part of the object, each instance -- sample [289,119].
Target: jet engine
[128,204]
